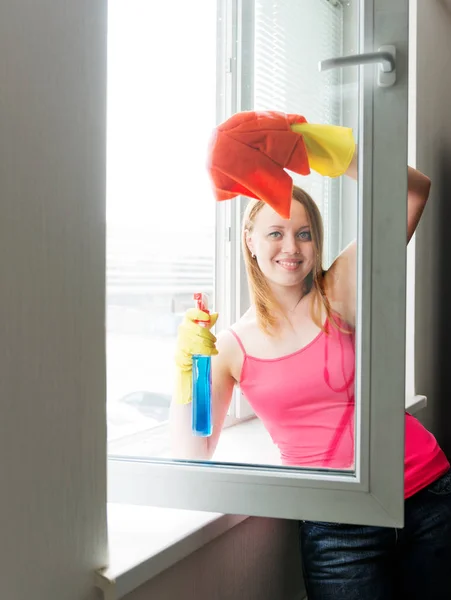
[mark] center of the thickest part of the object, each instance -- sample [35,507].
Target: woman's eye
[275,234]
[305,235]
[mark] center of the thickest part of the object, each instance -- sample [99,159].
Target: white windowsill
[416,403]
[146,540]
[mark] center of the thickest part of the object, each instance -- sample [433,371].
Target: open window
[167,239]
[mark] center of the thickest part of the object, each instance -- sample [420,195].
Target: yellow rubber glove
[192,339]
[330,148]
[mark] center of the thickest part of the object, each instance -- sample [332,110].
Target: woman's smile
[289,264]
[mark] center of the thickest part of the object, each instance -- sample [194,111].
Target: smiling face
[283,248]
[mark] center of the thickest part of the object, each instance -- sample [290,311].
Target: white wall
[433,245]
[52,388]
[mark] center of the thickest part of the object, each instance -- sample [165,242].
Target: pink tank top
[306,402]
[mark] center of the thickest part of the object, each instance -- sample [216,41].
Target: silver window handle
[385,57]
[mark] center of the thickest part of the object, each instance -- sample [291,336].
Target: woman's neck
[288,298]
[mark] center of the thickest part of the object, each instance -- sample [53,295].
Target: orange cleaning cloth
[248,155]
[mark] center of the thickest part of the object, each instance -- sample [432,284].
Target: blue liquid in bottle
[201,406]
[201,392]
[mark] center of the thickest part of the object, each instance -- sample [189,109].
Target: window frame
[374,496]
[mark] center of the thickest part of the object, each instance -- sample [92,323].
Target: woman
[292,354]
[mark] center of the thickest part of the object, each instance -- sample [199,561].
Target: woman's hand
[193,338]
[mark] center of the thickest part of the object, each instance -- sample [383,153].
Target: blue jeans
[352,562]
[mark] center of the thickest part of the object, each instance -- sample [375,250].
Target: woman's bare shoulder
[230,345]
[230,357]
[247,323]
[226,340]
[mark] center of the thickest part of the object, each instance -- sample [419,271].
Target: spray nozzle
[202,304]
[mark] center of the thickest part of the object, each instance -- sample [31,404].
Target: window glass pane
[164,234]
[160,211]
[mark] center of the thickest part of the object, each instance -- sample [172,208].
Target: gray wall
[433,245]
[52,388]
[256,560]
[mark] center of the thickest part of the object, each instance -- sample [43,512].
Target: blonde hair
[266,306]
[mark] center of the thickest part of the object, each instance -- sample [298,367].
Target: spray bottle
[201,393]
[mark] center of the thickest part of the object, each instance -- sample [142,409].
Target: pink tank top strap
[240,343]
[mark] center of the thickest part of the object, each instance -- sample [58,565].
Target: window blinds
[290,38]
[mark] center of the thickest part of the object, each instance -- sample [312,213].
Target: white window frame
[228,262]
[374,495]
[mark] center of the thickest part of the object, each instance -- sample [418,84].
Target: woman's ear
[249,243]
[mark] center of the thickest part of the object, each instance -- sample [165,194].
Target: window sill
[416,403]
[146,540]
